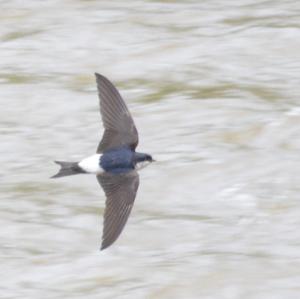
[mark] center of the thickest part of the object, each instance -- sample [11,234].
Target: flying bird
[115,163]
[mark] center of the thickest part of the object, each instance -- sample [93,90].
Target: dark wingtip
[103,246]
[98,76]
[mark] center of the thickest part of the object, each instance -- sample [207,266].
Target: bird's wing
[119,126]
[120,191]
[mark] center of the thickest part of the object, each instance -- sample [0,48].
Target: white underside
[141,165]
[91,164]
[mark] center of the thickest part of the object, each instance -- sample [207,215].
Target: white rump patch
[91,164]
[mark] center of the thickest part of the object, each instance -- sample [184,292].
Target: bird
[115,164]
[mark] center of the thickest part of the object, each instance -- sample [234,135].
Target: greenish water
[214,90]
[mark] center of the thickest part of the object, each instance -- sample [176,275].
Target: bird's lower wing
[120,191]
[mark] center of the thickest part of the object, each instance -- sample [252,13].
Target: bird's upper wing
[119,126]
[120,191]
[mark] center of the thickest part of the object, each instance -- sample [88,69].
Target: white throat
[141,165]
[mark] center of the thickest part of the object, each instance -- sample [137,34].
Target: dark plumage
[116,162]
[119,126]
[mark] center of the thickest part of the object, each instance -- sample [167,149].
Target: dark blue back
[118,160]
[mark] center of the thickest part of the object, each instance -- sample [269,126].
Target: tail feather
[67,168]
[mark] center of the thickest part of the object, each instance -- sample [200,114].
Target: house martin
[115,163]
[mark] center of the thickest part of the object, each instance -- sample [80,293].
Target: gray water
[214,89]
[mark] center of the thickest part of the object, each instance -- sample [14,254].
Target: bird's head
[142,160]
[149,158]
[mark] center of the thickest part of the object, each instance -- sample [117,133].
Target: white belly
[91,164]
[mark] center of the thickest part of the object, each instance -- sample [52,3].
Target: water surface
[214,90]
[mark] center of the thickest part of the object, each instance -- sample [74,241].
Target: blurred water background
[214,89]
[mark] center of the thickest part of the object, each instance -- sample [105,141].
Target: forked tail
[67,168]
